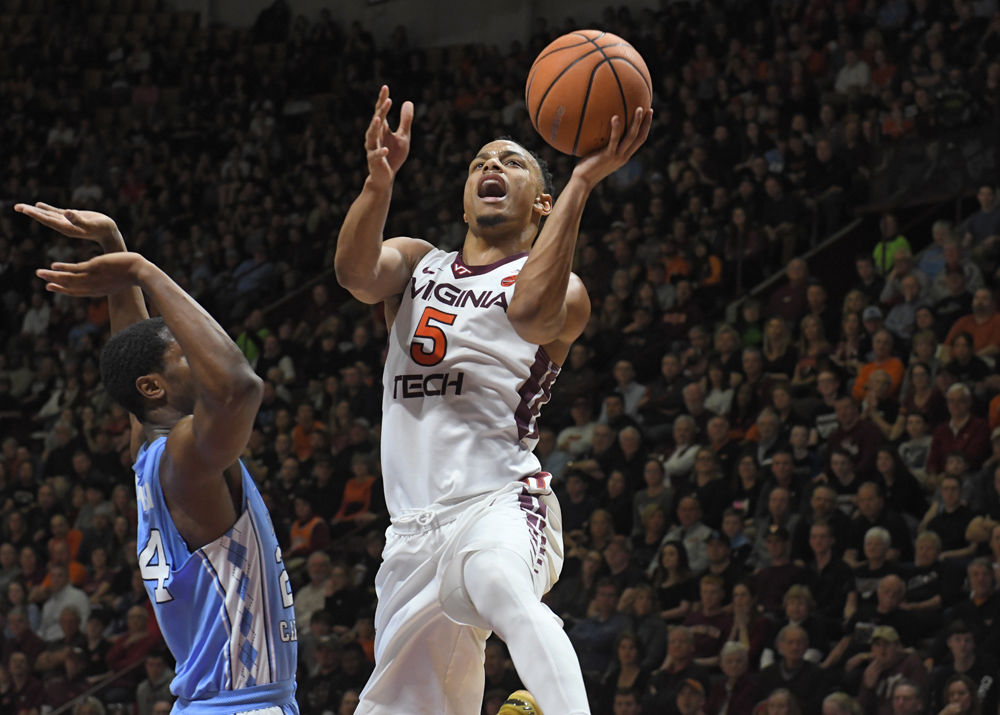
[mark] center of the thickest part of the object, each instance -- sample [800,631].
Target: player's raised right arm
[369,267]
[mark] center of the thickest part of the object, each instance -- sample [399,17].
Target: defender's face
[177,375]
[504,186]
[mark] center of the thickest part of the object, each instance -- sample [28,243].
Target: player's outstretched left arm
[550,306]
[124,308]
[224,392]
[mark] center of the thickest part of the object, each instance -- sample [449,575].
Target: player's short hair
[129,354]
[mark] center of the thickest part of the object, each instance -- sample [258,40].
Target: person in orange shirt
[355,504]
[60,530]
[883,360]
[309,532]
[305,424]
[983,324]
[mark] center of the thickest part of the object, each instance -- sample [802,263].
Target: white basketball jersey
[462,389]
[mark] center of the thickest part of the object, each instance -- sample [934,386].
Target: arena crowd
[797,511]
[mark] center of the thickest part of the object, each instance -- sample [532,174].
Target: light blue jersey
[225,609]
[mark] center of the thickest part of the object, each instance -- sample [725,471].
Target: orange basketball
[579,82]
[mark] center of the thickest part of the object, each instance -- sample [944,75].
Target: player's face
[177,374]
[504,188]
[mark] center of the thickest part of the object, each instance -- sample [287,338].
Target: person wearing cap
[964,659]
[773,580]
[888,662]
[690,698]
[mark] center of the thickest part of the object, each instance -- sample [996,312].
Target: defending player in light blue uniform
[227,605]
[207,550]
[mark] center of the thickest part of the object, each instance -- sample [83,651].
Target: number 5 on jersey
[153,566]
[434,344]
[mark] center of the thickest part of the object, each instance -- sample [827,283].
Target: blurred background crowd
[776,444]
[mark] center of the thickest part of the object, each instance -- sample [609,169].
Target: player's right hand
[386,149]
[86,225]
[101,276]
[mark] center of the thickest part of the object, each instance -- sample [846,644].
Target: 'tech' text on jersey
[462,390]
[225,609]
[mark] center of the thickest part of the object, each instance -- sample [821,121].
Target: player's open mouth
[492,188]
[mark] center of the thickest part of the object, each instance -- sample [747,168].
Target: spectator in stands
[677,669]
[981,230]
[803,679]
[21,691]
[594,637]
[772,581]
[981,608]
[858,437]
[882,359]
[983,324]
[889,662]
[61,595]
[979,667]
[964,433]
[156,685]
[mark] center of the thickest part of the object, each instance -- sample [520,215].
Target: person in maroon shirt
[856,435]
[711,623]
[738,690]
[20,691]
[964,432]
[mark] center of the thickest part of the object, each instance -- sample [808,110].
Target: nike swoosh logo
[429,270]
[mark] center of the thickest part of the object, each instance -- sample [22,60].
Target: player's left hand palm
[104,275]
[86,225]
[620,147]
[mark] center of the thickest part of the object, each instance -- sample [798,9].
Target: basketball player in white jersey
[476,340]
[208,555]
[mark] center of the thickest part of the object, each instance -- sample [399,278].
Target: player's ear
[151,386]
[465,217]
[543,204]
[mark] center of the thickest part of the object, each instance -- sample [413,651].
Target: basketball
[578,83]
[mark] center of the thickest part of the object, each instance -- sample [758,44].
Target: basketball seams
[532,72]
[621,94]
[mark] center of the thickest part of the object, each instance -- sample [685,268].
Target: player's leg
[424,662]
[500,586]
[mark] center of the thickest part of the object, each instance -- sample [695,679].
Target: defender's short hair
[129,354]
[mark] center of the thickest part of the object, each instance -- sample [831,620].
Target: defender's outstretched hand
[108,274]
[594,167]
[86,225]
[386,149]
